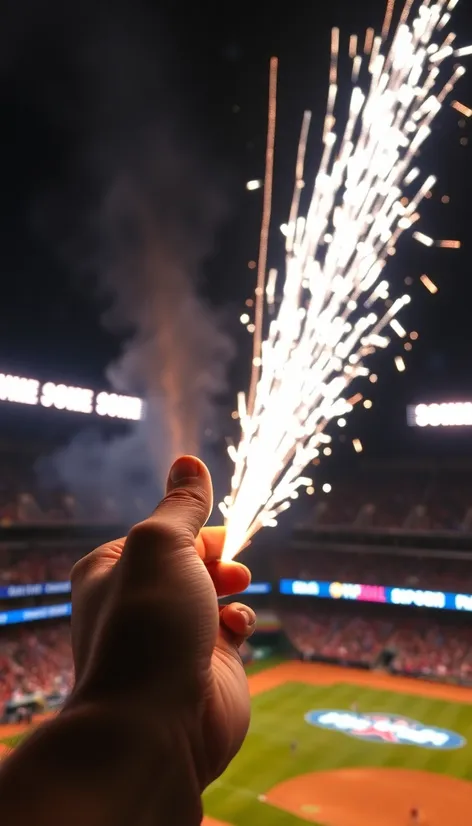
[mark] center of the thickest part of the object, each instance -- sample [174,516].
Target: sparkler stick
[332,313]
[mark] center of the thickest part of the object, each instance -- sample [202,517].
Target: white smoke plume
[137,219]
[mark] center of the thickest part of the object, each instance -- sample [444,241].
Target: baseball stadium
[360,671]
[241,234]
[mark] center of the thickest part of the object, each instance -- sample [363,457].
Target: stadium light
[446,414]
[21,390]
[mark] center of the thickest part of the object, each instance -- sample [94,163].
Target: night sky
[82,87]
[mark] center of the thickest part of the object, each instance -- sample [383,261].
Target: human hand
[148,636]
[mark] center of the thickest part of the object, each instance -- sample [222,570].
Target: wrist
[104,768]
[156,764]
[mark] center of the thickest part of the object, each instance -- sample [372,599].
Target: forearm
[90,767]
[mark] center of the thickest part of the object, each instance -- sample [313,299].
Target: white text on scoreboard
[20,390]
[447,414]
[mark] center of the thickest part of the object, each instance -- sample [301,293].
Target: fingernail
[184,468]
[250,619]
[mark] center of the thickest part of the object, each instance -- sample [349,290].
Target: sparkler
[332,311]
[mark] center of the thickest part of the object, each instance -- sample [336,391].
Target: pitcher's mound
[375,797]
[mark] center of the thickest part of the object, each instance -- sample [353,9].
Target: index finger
[209,543]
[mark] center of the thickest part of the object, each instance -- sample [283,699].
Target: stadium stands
[19,567]
[35,660]
[421,646]
[445,572]
[397,499]
[28,509]
[35,566]
[385,499]
[406,529]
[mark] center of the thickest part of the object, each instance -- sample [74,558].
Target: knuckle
[79,569]
[151,532]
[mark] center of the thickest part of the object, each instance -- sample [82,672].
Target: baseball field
[290,772]
[338,747]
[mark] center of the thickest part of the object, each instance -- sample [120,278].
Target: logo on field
[385,728]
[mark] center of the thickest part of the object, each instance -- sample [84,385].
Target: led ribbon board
[357,592]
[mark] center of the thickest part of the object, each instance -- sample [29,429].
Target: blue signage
[39,589]
[421,598]
[258,588]
[34,589]
[42,612]
[254,588]
[385,728]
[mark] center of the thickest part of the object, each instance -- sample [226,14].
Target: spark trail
[332,312]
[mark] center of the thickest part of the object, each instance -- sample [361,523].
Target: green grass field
[266,759]
[278,719]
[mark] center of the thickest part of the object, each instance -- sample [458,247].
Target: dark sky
[80,85]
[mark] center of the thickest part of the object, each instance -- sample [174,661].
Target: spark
[265,224]
[462,108]
[439,56]
[423,239]
[444,21]
[355,399]
[356,68]
[450,245]
[331,315]
[397,327]
[357,445]
[333,73]
[406,11]
[353,41]
[467,50]
[388,18]
[270,287]
[430,285]
[251,185]
[369,39]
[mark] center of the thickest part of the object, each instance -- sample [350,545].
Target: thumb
[189,496]
[177,520]
[237,624]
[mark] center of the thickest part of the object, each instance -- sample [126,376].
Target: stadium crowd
[35,660]
[421,647]
[445,573]
[35,566]
[38,658]
[28,509]
[383,500]
[397,501]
